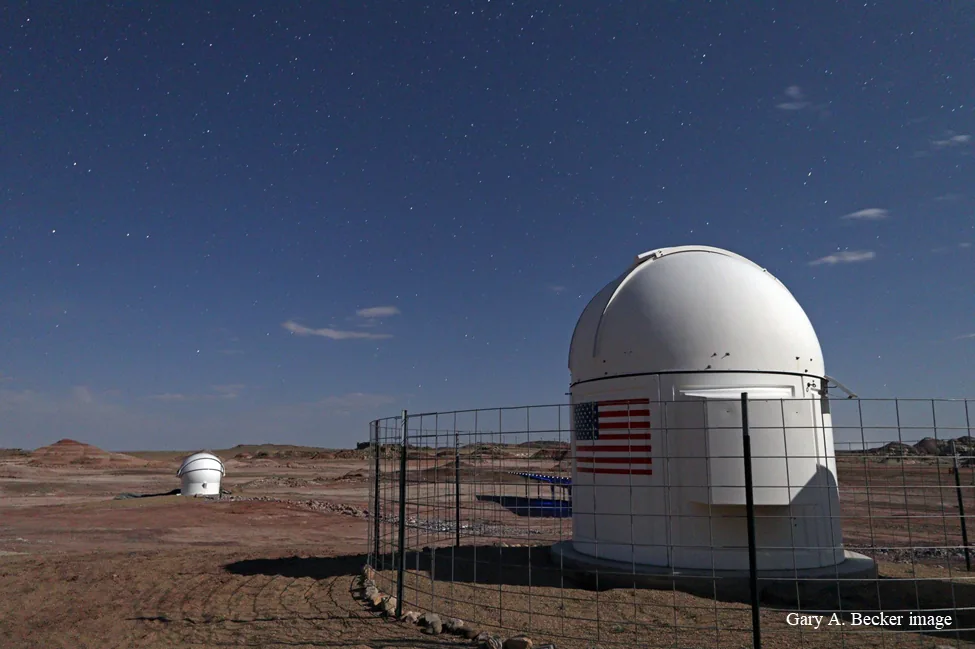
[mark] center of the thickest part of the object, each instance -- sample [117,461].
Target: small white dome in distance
[200,474]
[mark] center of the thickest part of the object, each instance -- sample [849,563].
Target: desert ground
[274,562]
[79,568]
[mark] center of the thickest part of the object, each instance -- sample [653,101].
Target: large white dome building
[658,361]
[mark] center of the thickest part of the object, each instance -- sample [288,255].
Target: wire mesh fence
[696,523]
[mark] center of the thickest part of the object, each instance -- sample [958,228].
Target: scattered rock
[469,633]
[492,642]
[910,555]
[487,640]
[518,642]
[453,625]
[547,645]
[376,598]
[429,618]
[432,623]
[314,505]
[411,616]
[389,605]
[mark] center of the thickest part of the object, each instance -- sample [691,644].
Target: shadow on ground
[533,567]
[299,567]
[334,608]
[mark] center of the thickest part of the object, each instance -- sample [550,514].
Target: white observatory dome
[693,308]
[201,474]
[659,360]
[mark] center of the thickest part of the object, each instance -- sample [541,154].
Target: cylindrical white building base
[784,542]
[809,585]
[192,488]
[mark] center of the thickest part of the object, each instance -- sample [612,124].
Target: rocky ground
[278,562]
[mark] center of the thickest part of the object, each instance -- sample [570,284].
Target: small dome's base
[197,489]
[823,586]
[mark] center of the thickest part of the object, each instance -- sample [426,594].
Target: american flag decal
[613,437]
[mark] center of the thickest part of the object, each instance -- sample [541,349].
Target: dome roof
[201,462]
[693,308]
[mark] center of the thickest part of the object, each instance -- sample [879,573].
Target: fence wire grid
[730,533]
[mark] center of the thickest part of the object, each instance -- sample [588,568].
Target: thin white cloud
[171,396]
[378,312]
[82,413]
[219,392]
[29,419]
[796,99]
[231,391]
[868,214]
[950,197]
[367,318]
[844,257]
[82,394]
[962,143]
[965,336]
[10,398]
[356,400]
[558,290]
[964,245]
[952,140]
[334,334]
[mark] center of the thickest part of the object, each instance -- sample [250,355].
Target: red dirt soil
[79,569]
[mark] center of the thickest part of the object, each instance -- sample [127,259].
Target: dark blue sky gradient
[187,192]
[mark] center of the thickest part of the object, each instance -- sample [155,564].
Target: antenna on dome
[850,394]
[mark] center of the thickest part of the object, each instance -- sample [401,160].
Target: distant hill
[246,452]
[927,447]
[69,452]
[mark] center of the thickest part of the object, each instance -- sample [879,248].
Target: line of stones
[431,623]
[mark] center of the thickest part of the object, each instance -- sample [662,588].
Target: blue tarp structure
[558,480]
[537,507]
[534,507]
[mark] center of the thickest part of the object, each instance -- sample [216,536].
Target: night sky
[243,221]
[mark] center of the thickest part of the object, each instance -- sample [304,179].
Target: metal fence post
[375,504]
[456,487]
[746,443]
[401,574]
[961,509]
